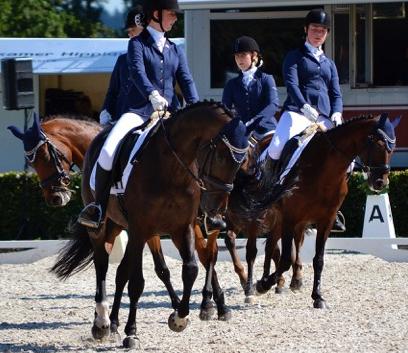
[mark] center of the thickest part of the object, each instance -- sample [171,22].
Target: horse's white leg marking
[102,315]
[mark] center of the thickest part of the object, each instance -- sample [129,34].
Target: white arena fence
[378,239]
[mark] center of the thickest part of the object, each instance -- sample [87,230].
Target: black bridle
[57,157]
[205,180]
[377,134]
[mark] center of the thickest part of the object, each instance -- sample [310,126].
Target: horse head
[377,155]
[51,165]
[219,161]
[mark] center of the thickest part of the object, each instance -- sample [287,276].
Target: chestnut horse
[162,197]
[320,187]
[52,147]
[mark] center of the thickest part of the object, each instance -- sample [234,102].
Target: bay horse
[162,197]
[52,148]
[320,188]
[57,143]
[319,191]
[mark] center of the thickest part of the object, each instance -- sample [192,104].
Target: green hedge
[24,214]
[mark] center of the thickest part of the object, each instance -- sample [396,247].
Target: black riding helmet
[318,16]
[134,17]
[245,43]
[160,5]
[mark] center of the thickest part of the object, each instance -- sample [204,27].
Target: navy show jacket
[151,70]
[259,101]
[115,99]
[311,81]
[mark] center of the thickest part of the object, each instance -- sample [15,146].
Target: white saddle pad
[119,188]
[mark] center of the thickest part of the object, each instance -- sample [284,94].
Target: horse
[319,190]
[52,148]
[162,197]
[61,143]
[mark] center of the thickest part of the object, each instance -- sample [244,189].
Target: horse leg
[318,263]
[251,252]
[297,266]
[224,313]
[284,264]
[101,324]
[135,289]
[161,269]
[122,276]
[238,267]
[205,250]
[178,320]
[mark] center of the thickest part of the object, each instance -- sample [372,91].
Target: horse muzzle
[57,199]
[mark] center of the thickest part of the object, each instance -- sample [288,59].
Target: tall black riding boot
[93,214]
[339,226]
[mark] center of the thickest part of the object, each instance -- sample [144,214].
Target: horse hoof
[207,313]
[260,288]
[320,304]
[226,316]
[296,285]
[249,299]
[176,323]
[100,332]
[280,290]
[131,342]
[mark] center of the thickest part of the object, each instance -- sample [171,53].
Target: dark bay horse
[53,146]
[161,197]
[319,191]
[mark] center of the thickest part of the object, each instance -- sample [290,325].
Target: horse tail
[76,255]
[254,196]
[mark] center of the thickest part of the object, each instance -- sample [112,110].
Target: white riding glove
[158,102]
[337,119]
[310,112]
[104,117]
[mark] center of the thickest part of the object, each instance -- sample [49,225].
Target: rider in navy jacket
[115,99]
[153,70]
[311,81]
[253,93]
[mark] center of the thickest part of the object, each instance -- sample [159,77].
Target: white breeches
[126,122]
[289,125]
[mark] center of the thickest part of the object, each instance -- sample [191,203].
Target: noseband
[57,157]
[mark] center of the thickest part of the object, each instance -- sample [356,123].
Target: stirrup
[339,225]
[84,217]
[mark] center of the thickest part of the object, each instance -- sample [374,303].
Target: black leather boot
[339,224]
[93,214]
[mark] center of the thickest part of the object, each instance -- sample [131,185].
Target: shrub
[25,215]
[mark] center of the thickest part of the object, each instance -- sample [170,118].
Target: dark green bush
[24,214]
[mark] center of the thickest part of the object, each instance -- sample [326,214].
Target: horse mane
[205,104]
[68,116]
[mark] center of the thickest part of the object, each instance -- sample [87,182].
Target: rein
[198,180]
[57,157]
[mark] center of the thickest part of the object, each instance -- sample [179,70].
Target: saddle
[126,145]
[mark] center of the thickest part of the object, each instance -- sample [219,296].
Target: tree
[50,18]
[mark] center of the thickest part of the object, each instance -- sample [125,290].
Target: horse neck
[74,135]
[194,128]
[350,140]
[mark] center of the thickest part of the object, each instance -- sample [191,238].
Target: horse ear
[383,118]
[16,131]
[36,123]
[396,121]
